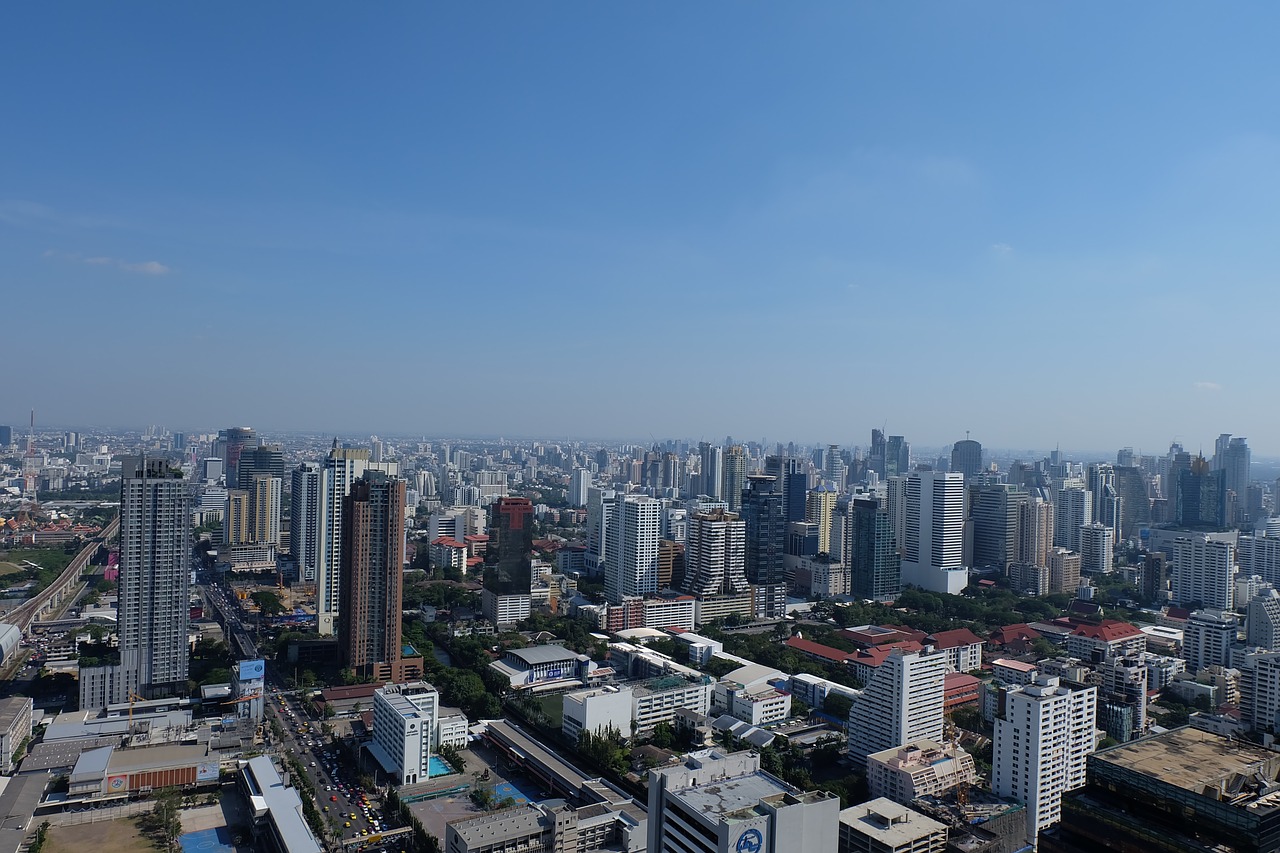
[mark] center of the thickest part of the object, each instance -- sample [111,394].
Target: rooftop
[889,823]
[1203,763]
[499,826]
[1108,631]
[1017,665]
[534,655]
[955,638]
[723,798]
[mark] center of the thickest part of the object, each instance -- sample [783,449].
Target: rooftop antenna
[29,463]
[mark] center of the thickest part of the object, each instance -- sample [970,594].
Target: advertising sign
[251,669]
[118,784]
[207,771]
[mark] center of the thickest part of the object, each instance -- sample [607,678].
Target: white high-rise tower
[902,703]
[933,538]
[343,467]
[631,548]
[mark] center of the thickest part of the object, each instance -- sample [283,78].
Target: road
[24,614]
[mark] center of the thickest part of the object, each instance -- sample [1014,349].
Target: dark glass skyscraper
[792,482]
[508,562]
[875,566]
[966,457]
[1202,496]
[762,510]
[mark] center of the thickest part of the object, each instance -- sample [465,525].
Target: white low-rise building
[404,730]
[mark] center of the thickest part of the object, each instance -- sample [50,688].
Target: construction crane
[248,698]
[133,696]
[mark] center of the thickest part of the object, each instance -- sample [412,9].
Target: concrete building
[342,467]
[1097,548]
[631,548]
[579,486]
[883,826]
[1204,572]
[276,808]
[305,520]
[15,729]
[820,505]
[616,825]
[405,718]
[921,768]
[1108,639]
[508,574]
[714,802]
[634,709]
[1044,735]
[715,554]
[1207,639]
[1072,510]
[1064,571]
[1262,622]
[900,704]
[933,539]
[748,694]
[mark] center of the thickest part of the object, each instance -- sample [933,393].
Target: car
[347,825]
[326,808]
[333,798]
[354,816]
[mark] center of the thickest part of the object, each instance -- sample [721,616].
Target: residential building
[1122,697]
[715,554]
[734,476]
[884,826]
[305,519]
[918,769]
[962,647]
[901,703]
[1043,737]
[1207,639]
[1262,623]
[508,561]
[933,540]
[342,467]
[1072,510]
[711,470]
[714,802]
[819,506]
[1097,548]
[579,487]
[15,730]
[1064,571]
[1204,572]
[265,494]
[631,548]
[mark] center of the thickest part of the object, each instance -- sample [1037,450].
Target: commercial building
[540,668]
[921,768]
[278,822]
[508,573]
[875,566]
[405,718]
[1072,510]
[713,802]
[1207,639]
[1173,792]
[631,548]
[616,825]
[748,694]
[884,826]
[966,458]
[15,729]
[933,539]
[372,571]
[1043,736]
[304,520]
[900,704]
[1204,572]
[764,514]
[636,708]
[342,467]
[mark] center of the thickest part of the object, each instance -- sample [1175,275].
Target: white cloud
[1206,386]
[1002,249]
[144,267]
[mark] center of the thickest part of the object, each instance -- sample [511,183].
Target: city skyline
[884,213]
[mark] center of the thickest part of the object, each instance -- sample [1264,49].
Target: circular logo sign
[116,783]
[750,841]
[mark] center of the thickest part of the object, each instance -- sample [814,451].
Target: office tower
[372,571]
[672,473]
[1155,577]
[1259,554]
[579,486]
[735,476]
[897,456]
[265,459]
[766,523]
[1064,571]
[342,467]
[881,825]
[793,483]
[712,802]
[236,521]
[1101,482]
[895,493]
[1232,457]
[834,467]
[508,561]
[1204,572]
[1201,499]
[1133,491]
[599,515]
[155,556]
[6,436]
[179,441]
[902,703]
[231,443]
[671,571]
[1072,509]
[933,541]
[1035,532]
[1043,738]
[675,524]
[1262,622]
[375,449]
[1122,699]
[304,520]
[1207,639]
[966,458]
[711,470]
[405,720]
[1097,549]
[820,504]
[996,511]
[715,554]
[874,564]
[631,548]
[264,508]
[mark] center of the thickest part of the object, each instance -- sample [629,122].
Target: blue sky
[1045,224]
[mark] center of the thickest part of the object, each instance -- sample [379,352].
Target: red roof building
[959,689]
[1108,638]
[817,651]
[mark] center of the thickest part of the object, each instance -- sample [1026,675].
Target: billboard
[118,784]
[207,771]
[251,669]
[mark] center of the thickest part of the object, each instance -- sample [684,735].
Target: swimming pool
[438,767]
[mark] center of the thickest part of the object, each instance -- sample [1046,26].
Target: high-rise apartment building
[372,572]
[901,704]
[237,524]
[631,549]
[304,520]
[1097,548]
[599,515]
[1035,532]
[820,504]
[966,458]
[1155,577]
[265,494]
[1207,639]
[734,477]
[1262,623]
[1044,735]
[342,467]
[715,554]
[1064,571]
[765,527]
[579,486]
[933,539]
[1072,509]
[1204,572]
[508,562]
[711,470]
[154,583]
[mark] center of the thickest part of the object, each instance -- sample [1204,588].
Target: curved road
[24,614]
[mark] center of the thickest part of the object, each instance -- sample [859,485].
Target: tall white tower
[903,702]
[631,548]
[343,467]
[933,538]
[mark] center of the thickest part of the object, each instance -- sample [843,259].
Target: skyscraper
[766,530]
[897,456]
[1097,549]
[631,548]
[876,455]
[231,443]
[508,562]
[792,482]
[1232,457]
[735,476]
[264,509]
[155,555]
[265,459]
[1204,572]
[579,484]
[874,563]
[711,470]
[343,467]
[372,571]
[1072,509]
[304,520]
[966,458]
[820,504]
[901,704]
[237,524]
[996,513]
[933,540]
[715,554]
[1201,498]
